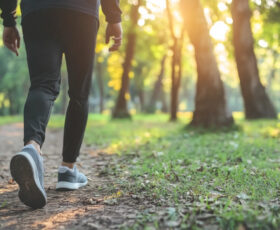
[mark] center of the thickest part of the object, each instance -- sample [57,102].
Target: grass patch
[4,120]
[228,178]
[230,174]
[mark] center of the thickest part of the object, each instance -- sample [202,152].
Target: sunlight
[7,189]
[158,5]
[153,7]
[222,6]
[262,43]
[65,216]
[219,31]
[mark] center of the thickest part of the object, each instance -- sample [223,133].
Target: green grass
[10,119]
[233,175]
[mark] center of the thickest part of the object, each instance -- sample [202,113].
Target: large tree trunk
[210,102]
[157,88]
[257,103]
[176,65]
[99,75]
[121,110]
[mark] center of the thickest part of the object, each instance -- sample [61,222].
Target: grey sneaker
[28,171]
[70,179]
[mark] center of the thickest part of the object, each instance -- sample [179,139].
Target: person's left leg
[79,53]
[79,40]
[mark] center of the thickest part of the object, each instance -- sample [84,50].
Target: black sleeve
[112,11]
[8,8]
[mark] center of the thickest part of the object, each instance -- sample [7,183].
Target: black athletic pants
[48,34]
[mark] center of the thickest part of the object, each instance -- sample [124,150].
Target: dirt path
[97,206]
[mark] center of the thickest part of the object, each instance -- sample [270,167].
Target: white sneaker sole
[64,185]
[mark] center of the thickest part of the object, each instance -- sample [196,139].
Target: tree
[64,89]
[256,101]
[121,110]
[100,82]
[176,66]
[158,88]
[210,102]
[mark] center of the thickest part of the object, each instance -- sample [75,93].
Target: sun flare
[219,31]
[158,5]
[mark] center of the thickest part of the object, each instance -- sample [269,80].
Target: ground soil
[92,207]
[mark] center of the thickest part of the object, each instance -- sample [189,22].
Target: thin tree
[158,87]
[64,96]
[121,110]
[210,102]
[100,82]
[176,65]
[256,101]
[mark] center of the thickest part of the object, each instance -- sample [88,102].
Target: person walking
[52,28]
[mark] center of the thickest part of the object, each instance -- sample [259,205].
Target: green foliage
[10,119]
[153,42]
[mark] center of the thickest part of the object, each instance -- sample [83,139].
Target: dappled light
[140,114]
[64,217]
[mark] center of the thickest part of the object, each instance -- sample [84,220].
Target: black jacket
[110,8]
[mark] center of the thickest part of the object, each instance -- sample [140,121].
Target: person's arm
[113,13]
[8,8]
[11,36]
[112,10]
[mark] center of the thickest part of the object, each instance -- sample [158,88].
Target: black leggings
[48,34]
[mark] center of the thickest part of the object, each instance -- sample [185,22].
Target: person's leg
[80,42]
[44,55]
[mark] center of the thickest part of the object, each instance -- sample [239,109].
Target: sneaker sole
[68,186]
[24,172]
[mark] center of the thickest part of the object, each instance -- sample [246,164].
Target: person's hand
[11,39]
[115,31]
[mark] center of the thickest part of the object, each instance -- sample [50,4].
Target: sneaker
[28,171]
[70,179]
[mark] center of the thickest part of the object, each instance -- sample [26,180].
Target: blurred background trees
[207,57]
[256,102]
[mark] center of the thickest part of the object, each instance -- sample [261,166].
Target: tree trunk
[210,102]
[157,88]
[176,75]
[138,87]
[176,66]
[12,96]
[141,99]
[164,104]
[256,101]
[273,70]
[121,110]
[99,75]
[64,101]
